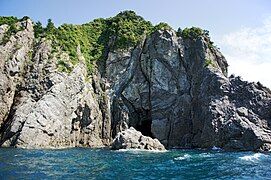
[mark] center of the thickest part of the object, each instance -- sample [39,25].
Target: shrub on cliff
[124,30]
[127,28]
[192,33]
[95,38]
[13,29]
[8,20]
[162,26]
[38,29]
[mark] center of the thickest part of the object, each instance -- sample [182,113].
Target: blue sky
[241,28]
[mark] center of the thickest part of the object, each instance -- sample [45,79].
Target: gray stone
[184,103]
[133,139]
[42,107]
[163,88]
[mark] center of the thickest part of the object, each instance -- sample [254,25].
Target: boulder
[168,86]
[133,139]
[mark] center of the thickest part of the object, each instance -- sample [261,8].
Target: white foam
[186,156]
[254,157]
[204,155]
[141,150]
[214,148]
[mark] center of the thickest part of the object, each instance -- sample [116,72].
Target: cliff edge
[59,89]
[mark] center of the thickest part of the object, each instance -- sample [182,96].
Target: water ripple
[83,163]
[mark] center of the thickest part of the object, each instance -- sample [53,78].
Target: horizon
[242,30]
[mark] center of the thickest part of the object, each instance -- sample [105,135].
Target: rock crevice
[167,87]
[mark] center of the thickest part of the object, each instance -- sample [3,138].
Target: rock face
[133,139]
[42,107]
[168,87]
[170,92]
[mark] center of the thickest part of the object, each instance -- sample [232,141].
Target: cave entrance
[144,123]
[145,128]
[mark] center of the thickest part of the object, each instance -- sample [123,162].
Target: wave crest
[186,156]
[141,150]
[253,157]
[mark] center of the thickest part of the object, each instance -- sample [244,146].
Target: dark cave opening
[144,122]
[139,118]
[145,128]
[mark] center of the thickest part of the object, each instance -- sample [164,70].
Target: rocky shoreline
[133,139]
[169,86]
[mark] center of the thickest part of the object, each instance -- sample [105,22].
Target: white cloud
[248,52]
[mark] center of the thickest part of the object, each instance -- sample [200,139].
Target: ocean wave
[214,148]
[204,155]
[186,156]
[141,150]
[253,157]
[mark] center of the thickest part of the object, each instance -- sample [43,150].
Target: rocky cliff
[168,85]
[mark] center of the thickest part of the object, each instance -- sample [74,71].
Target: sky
[240,28]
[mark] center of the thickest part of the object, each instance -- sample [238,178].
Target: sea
[85,163]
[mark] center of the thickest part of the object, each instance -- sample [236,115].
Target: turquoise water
[80,163]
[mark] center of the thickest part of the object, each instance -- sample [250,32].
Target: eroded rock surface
[177,90]
[133,139]
[168,87]
[42,107]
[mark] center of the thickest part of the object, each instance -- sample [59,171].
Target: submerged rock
[133,139]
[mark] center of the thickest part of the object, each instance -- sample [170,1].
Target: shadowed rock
[133,139]
[168,87]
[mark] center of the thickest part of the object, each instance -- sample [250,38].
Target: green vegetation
[179,32]
[38,29]
[88,37]
[50,28]
[120,32]
[192,33]
[128,29]
[162,26]
[13,29]
[95,38]
[63,66]
[208,62]
[8,20]
[210,44]
[25,18]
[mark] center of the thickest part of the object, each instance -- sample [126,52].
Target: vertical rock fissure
[134,63]
[189,80]
[145,122]
[196,74]
[105,117]
[5,128]
[169,132]
[131,108]
[150,93]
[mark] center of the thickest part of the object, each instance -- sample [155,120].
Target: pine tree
[50,27]
[38,29]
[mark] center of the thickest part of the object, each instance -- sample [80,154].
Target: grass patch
[123,31]
[120,32]
[63,66]
[208,62]
[12,29]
